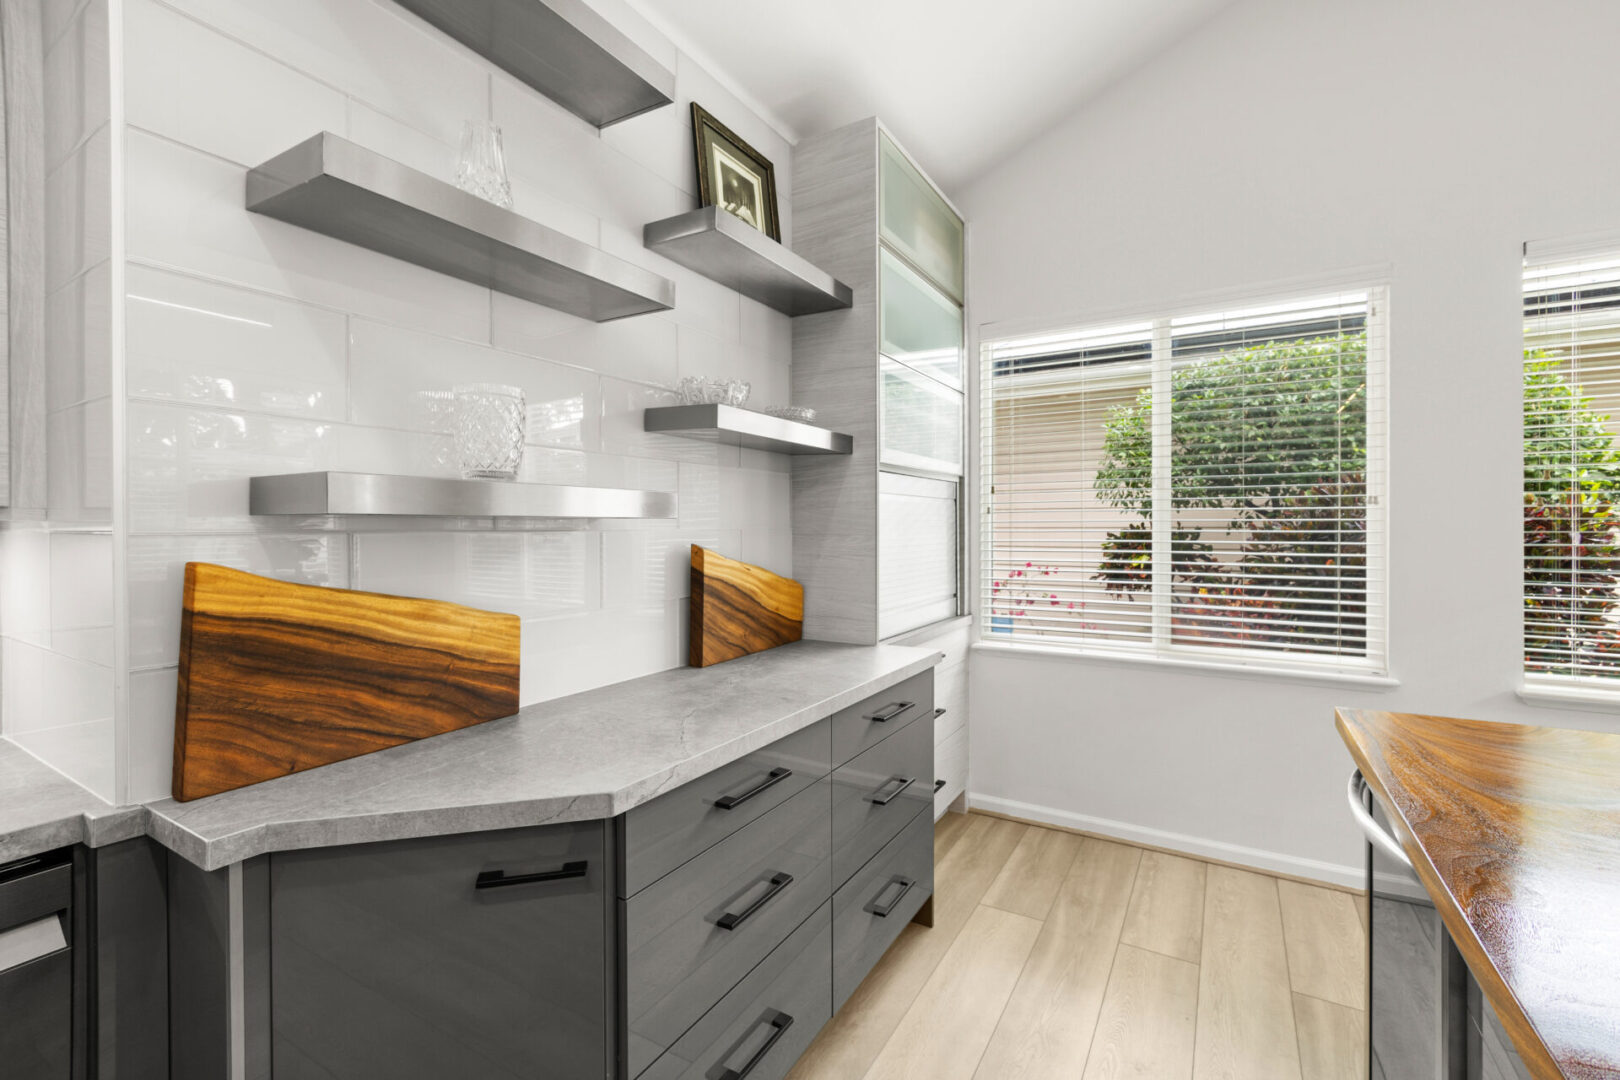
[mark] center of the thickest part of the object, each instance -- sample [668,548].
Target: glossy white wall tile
[192,340]
[254,347]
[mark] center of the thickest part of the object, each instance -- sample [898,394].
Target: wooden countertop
[1515,832]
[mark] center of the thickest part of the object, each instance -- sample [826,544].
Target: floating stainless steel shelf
[743,427]
[318,494]
[333,186]
[724,248]
[562,48]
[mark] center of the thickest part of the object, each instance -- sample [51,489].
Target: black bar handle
[883,911]
[733,919]
[885,800]
[890,711]
[780,1022]
[940,712]
[938,784]
[776,776]
[497,879]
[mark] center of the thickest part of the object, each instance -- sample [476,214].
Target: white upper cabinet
[916,222]
[921,326]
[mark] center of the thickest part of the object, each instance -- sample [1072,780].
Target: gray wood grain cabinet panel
[390,961]
[768,1020]
[877,794]
[871,909]
[662,834]
[861,726]
[693,935]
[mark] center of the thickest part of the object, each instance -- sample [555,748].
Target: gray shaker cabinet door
[390,963]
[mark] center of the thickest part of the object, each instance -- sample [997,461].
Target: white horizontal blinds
[1572,469]
[1261,458]
[1047,406]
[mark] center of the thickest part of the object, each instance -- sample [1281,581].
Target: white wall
[256,347]
[1282,142]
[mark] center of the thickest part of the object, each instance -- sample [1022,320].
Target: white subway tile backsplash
[391,368]
[191,340]
[567,655]
[46,689]
[530,574]
[81,584]
[151,734]
[223,97]
[642,569]
[157,577]
[562,154]
[185,212]
[83,751]
[374,52]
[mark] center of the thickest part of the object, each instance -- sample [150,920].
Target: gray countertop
[592,755]
[41,809]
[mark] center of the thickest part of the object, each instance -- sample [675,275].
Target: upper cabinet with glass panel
[922,328]
[916,222]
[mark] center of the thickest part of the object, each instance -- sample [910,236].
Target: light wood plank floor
[1055,955]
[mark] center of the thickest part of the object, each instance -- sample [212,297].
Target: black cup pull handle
[733,919]
[882,910]
[779,1022]
[884,798]
[890,711]
[497,879]
[776,776]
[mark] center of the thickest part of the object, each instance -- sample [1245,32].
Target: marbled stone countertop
[41,809]
[592,755]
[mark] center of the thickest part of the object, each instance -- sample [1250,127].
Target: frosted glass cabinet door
[918,222]
[922,327]
[918,529]
[922,421]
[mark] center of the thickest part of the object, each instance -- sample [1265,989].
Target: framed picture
[733,175]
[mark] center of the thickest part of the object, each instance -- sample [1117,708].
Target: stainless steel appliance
[1426,1017]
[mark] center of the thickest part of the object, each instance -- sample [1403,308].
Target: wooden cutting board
[277,678]
[737,609]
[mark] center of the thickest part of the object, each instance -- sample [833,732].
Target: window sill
[1570,697]
[1207,667]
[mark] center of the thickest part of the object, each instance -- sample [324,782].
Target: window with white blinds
[1572,472]
[1199,486]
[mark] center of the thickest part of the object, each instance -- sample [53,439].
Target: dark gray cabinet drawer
[871,721]
[768,1020]
[36,968]
[877,794]
[668,831]
[680,956]
[388,960]
[876,904]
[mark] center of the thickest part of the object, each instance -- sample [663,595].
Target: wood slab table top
[1515,832]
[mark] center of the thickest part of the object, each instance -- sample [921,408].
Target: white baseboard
[1350,877]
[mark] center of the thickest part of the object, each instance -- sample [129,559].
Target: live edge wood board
[737,609]
[276,678]
[1515,832]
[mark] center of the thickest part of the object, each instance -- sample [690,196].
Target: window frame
[1373,669]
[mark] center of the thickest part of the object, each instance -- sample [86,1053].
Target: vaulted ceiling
[961,82]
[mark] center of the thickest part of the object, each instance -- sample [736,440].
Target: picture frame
[733,175]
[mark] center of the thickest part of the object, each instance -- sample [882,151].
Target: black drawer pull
[940,712]
[890,711]
[733,919]
[726,802]
[938,784]
[779,1022]
[884,799]
[497,879]
[883,911]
